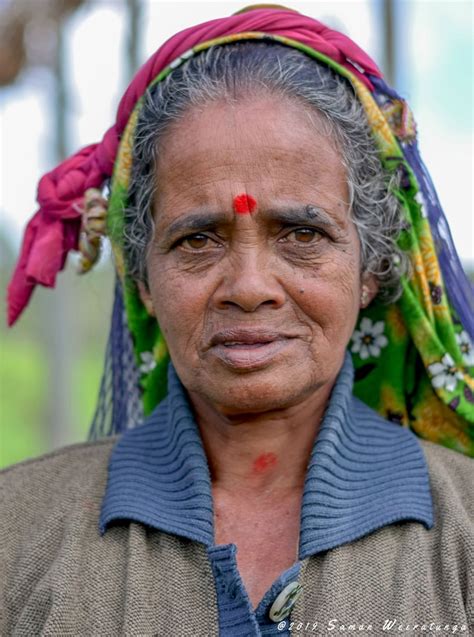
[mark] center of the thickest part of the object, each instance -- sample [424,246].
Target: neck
[258,454]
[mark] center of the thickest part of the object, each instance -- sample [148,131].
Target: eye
[195,241]
[304,235]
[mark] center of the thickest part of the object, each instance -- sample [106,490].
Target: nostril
[248,290]
[247,307]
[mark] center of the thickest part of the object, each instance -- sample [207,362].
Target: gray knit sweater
[60,577]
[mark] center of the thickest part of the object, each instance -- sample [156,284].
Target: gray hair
[254,68]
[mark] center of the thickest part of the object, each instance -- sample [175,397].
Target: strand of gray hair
[250,69]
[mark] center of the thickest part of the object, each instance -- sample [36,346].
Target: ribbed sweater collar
[363,474]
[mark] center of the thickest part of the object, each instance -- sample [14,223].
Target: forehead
[273,149]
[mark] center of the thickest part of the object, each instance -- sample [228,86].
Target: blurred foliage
[26,360]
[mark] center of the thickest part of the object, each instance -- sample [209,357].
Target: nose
[248,282]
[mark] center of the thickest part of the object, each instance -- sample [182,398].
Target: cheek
[179,303]
[330,298]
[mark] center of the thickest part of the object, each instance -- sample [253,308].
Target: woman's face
[254,267]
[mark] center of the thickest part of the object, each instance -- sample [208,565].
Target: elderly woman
[270,219]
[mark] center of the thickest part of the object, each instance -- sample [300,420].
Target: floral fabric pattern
[466,347]
[148,362]
[445,373]
[369,339]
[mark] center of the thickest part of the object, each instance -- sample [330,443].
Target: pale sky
[435,74]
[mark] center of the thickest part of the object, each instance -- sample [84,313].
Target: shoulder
[48,499]
[451,476]
[66,460]
[50,509]
[55,480]
[451,539]
[447,461]
[451,479]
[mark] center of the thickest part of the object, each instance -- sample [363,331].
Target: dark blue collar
[364,473]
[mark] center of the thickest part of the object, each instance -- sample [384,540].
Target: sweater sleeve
[452,486]
[43,502]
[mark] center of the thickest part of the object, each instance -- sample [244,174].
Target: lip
[248,349]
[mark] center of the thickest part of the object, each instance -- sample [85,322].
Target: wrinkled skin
[252,271]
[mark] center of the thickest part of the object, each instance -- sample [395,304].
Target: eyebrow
[291,215]
[303,214]
[197,221]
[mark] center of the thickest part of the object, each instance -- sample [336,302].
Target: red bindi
[244,204]
[264,461]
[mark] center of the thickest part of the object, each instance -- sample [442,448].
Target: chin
[253,393]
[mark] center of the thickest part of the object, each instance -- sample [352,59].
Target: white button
[285,601]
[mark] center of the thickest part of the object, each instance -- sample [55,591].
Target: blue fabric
[158,473]
[459,288]
[119,405]
[236,616]
[364,473]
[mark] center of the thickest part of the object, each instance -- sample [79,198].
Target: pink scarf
[55,228]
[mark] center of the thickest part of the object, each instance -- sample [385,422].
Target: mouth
[246,345]
[248,350]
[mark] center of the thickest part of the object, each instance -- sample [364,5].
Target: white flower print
[421,200]
[445,373]
[466,347]
[369,339]
[148,362]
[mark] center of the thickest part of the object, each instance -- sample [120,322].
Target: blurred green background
[75,316]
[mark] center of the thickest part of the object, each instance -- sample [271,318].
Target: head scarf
[413,359]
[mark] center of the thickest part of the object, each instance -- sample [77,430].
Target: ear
[368,290]
[145,297]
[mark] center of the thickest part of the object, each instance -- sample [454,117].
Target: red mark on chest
[263,462]
[244,204]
